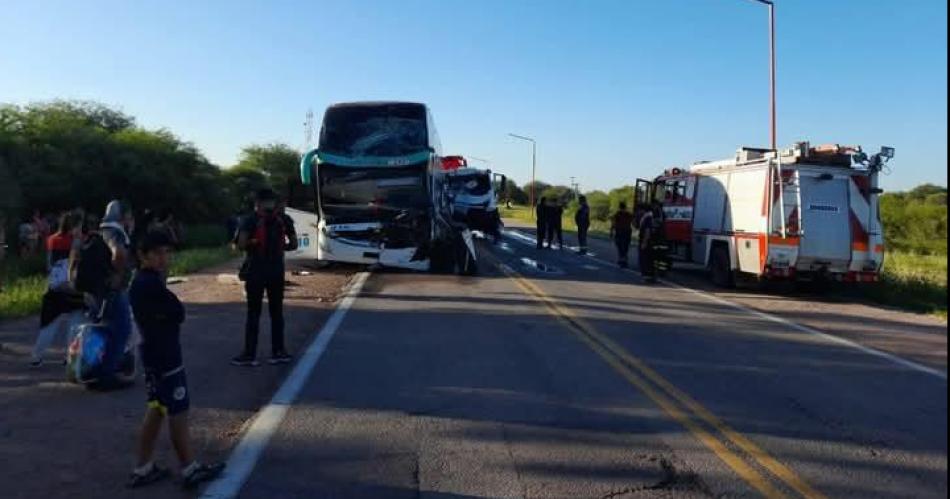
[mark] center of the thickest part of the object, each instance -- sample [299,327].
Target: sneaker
[280,358]
[36,363]
[245,360]
[137,480]
[202,473]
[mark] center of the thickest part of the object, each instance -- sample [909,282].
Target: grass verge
[24,282]
[912,282]
[192,260]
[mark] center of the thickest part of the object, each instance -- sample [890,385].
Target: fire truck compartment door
[826,228]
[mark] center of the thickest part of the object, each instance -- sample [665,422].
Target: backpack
[93,267]
[270,232]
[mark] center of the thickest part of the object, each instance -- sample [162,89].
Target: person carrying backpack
[115,229]
[264,236]
[62,305]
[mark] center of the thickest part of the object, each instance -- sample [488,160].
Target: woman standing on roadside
[62,305]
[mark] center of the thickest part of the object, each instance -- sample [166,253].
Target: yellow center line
[763,458]
[619,359]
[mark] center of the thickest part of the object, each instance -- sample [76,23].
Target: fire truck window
[674,190]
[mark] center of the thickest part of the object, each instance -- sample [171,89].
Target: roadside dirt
[60,440]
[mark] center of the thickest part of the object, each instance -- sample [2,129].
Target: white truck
[801,213]
[473,195]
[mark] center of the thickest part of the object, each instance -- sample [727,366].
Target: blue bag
[85,355]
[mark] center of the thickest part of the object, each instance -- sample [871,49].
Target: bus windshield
[395,129]
[354,188]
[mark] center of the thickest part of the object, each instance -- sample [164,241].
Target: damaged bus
[378,192]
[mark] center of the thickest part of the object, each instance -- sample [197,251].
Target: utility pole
[772,106]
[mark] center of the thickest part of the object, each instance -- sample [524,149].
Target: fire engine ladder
[790,198]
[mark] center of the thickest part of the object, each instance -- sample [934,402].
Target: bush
[916,221]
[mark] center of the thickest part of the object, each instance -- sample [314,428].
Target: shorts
[168,392]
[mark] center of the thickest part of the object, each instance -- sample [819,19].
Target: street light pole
[771,5]
[534,166]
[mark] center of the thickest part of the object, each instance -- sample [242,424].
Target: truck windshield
[396,189]
[374,130]
[475,184]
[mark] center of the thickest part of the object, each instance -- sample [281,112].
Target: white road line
[913,366]
[805,329]
[244,457]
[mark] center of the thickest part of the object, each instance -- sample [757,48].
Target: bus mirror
[306,167]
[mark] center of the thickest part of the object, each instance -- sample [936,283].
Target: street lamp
[534,164]
[771,5]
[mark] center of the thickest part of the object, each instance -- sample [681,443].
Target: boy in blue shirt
[159,315]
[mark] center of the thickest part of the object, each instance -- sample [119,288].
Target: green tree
[621,195]
[516,194]
[599,203]
[560,193]
[539,188]
[67,154]
[279,163]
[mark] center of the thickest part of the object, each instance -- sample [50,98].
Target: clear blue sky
[612,90]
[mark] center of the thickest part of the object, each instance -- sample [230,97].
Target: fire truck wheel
[720,268]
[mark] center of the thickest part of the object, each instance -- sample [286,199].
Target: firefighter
[647,235]
[582,220]
[541,215]
[621,231]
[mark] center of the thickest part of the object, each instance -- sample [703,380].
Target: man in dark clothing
[541,216]
[647,238]
[264,237]
[621,231]
[582,220]
[554,223]
[159,316]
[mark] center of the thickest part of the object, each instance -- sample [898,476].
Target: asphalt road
[555,375]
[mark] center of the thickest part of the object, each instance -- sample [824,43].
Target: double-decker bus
[378,196]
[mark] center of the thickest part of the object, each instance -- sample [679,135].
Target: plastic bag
[86,353]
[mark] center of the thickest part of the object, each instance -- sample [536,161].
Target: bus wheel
[441,260]
[720,268]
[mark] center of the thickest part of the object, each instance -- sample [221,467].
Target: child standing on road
[159,315]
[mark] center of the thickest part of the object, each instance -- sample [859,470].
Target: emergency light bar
[450,163]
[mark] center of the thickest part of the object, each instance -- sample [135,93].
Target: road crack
[673,480]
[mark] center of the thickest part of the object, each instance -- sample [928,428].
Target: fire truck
[803,213]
